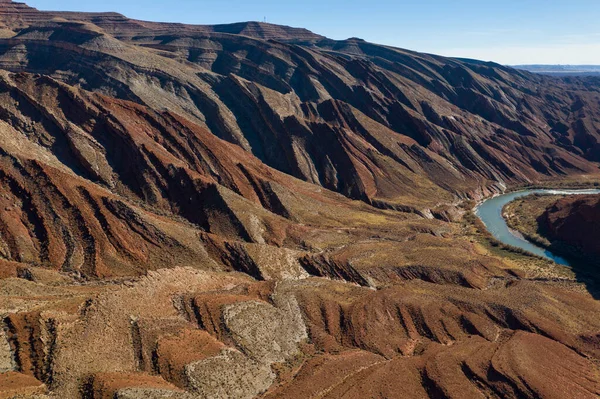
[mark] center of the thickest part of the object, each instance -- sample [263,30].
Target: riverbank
[491,214]
[522,217]
[527,215]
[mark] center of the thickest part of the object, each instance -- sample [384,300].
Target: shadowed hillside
[252,210]
[575,221]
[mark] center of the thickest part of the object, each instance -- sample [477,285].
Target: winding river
[490,213]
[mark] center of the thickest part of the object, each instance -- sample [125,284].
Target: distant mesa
[265,30]
[17,15]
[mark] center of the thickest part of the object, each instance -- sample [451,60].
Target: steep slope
[87,180]
[375,123]
[251,210]
[576,222]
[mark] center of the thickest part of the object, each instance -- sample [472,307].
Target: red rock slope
[251,210]
[575,221]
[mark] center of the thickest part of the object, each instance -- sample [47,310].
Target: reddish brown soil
[251,210]
[17,385]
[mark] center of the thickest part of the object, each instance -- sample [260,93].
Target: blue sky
[505,31]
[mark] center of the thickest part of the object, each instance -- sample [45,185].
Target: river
[490,213]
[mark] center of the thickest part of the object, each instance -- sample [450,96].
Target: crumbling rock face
[266,334]
[230,374]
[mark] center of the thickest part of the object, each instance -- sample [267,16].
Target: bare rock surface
[229,374]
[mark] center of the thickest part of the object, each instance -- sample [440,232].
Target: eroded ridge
[251,210]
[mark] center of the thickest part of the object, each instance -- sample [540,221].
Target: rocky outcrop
[575,221]
[252,210]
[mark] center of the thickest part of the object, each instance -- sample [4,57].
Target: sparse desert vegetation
[253,210]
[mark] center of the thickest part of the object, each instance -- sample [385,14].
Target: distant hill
[562,70]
